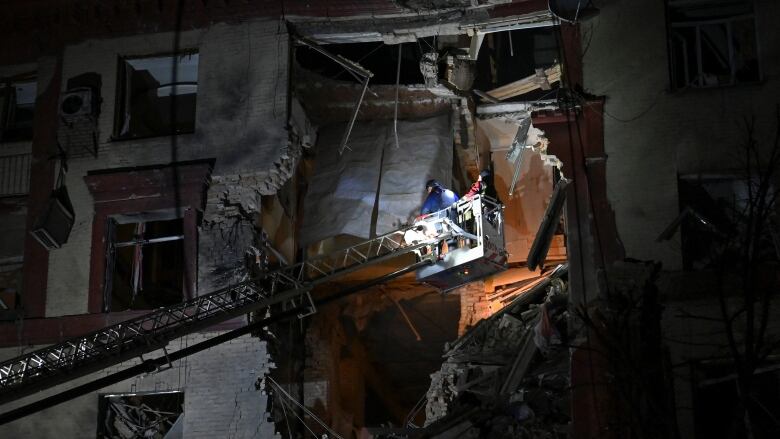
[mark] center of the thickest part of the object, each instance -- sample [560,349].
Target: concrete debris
[508,376]
[430,69]
[460,73]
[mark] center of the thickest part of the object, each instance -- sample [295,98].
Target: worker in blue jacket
[438,198]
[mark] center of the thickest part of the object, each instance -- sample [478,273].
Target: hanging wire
[397,84]
[299,418]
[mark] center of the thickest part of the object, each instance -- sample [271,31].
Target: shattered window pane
[141,415]
[17,107]
[712,43]
[148,265]
[157,96]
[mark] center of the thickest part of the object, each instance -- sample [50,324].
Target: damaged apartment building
[211,219]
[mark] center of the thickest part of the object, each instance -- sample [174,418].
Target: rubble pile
[508,377]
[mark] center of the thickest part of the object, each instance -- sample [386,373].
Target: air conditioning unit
[77,102]
[53,226]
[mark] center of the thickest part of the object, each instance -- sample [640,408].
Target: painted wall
[651,133]
[240,118]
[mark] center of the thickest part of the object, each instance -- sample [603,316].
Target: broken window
[712,43]
[508,57]
[17,107]
[141,415]
[714,210]
[145,264]
[379,58]
[156,96]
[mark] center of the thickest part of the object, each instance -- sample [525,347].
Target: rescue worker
[480,186]
[438,198]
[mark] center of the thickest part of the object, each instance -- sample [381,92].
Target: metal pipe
[344,140]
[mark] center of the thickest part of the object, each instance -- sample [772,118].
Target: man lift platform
[474,227]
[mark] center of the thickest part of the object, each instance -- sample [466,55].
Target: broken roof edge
[397,30]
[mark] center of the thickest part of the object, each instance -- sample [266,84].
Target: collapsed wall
[508,377]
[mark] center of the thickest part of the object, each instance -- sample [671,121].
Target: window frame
[120,103]
[696,25]
[129,191]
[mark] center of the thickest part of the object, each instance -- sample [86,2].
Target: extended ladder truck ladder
[288,287]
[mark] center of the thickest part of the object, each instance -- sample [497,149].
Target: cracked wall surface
[220,398]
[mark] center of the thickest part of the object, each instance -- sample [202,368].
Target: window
[713,217]
[145,264]
[712,43]
[17,106]
[716,401]
[141,415]
[156,96]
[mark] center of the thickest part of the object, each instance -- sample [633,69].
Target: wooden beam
[542,79]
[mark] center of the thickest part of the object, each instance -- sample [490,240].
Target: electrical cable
[286,419]
[302,421]
[303,407]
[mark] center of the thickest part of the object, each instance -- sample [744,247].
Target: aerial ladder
[474,227]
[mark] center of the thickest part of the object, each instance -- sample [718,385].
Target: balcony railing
[14,175]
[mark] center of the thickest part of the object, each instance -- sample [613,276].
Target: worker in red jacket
[479,187]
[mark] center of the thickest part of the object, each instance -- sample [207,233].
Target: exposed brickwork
[220,399]
[241,113]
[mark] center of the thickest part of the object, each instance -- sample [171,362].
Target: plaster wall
[240,122]
[651,133]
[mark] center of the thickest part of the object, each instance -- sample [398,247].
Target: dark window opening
[17,108]
[145,268]
[712,43]
[714,213]
[379,58]
[141,415]
[716,403]
[156,96]
[505,57]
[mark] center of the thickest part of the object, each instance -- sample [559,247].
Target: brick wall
[220,399]
[241,113]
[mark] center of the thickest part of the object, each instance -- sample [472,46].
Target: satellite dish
[568,10]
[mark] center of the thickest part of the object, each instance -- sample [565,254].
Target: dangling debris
[508,377]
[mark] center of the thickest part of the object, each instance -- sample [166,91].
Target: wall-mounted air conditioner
[53,226]
[77,102]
